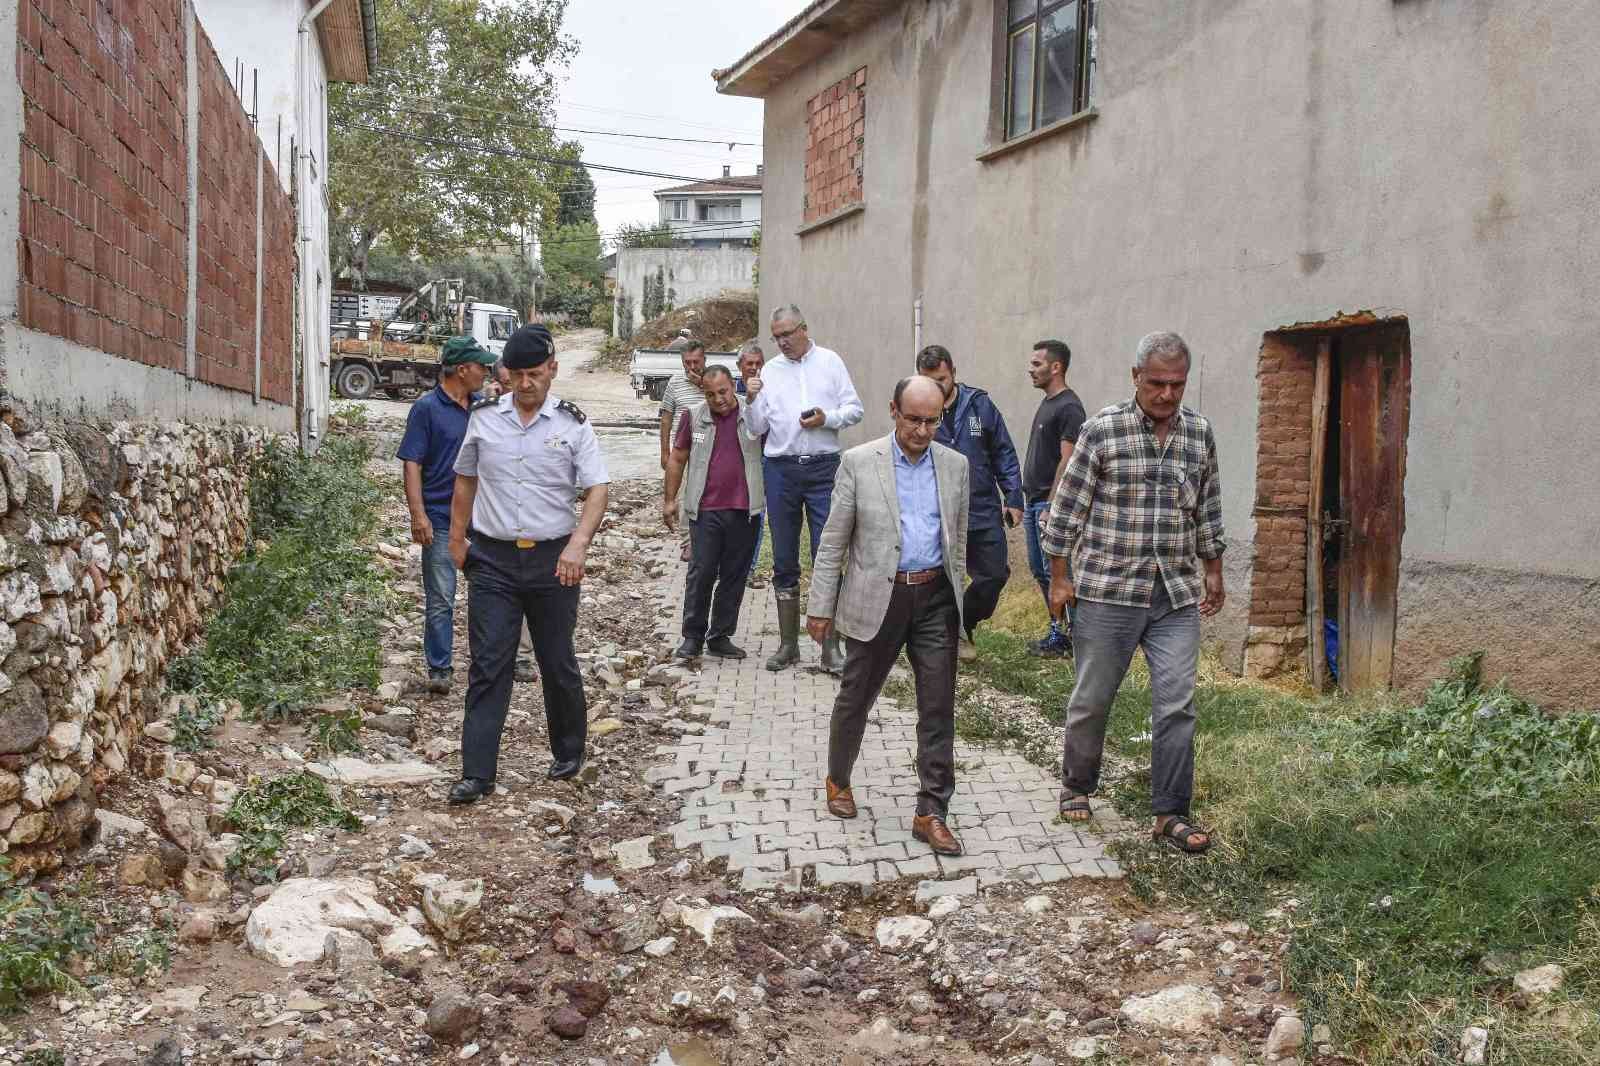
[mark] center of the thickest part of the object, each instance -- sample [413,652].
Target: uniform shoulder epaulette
[572,409]
[481,404]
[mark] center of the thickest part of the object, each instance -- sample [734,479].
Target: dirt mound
[722,322]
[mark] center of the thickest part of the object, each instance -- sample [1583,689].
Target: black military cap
[528,347]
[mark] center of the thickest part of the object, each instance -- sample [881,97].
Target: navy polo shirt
[434,430]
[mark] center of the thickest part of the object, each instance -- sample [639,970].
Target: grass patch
[300,612]
[41,934]
[266,810]
[1432,848]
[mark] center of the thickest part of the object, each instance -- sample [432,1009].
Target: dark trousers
[922,620]
[722,545]
[797,487]
[989,569]
[505,585]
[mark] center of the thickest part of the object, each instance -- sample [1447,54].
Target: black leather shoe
[562,769]
[723,648]
[689,649]
[470,790]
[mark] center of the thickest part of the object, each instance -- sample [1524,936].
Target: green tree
[453,73]
[640,235]
[573,276]
[500,279]
[577,196]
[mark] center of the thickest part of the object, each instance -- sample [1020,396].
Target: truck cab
[404,361]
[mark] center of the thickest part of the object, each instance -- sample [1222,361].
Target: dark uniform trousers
[989,570]
[722,546]
[921,619]
[507,584]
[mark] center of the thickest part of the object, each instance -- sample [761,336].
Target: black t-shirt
[1060,418]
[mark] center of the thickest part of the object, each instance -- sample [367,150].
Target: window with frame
[680,210]
[718,211]
[1049,60]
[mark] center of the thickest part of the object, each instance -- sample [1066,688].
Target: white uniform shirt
[790,386]
[528,476]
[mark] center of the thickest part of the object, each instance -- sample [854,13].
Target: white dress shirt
[789,386]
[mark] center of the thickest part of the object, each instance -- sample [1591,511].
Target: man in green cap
[434,430]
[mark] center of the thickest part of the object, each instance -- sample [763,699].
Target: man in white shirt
[800,402]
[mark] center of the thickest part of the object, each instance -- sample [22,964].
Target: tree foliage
[577,199]
[454,72]
[498,279]
[640,235]
[573,276]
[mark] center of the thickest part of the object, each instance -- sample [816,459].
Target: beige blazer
[852,576]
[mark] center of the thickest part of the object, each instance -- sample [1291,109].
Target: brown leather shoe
[931,830]
[841,804]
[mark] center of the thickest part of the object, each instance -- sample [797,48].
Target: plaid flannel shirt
[1127,511]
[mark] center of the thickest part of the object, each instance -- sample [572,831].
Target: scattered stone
[927,890]
[633,854]
[567,1023]
[884,1039]
[390,691]
[898,932]
[1038,904]
[1474,1046]
[812,914]
[1146,933]
[603,726]
[453,907]
[204,886]
[547,810]
[391,724]
[199,928]
[1321,1034]
[660,949]
[1084,1048]
[111,822]
[943,907]
[452,1015]
[1180,1008]
[183,1000]
[1538,984]
[599,886]
[142,870]
[166,1052]
[587,997]
[703,920]
[352,771]
[414,848]
[1287,1036]
[293,925]
[632,934]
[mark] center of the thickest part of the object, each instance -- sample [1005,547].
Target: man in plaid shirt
[1139,513]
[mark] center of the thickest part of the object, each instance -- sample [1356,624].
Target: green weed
[337,733]
[40,936]
[299,617]
[265,810]
[193,725]
[46,1056]
[138,954]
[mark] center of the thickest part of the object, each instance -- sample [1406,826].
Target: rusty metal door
[1375,409]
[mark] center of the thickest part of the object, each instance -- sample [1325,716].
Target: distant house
[1373,221]
[724,212]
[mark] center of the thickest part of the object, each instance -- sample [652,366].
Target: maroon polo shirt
[725,486]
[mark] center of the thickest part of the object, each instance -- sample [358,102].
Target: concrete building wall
[1255,164]
[691,273]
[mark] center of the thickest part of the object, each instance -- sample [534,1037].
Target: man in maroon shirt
[717,461]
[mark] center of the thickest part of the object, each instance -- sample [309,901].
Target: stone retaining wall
[114,542]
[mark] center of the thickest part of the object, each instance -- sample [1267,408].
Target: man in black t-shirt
[1050,441]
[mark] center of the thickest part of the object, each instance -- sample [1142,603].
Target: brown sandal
[1180,833]
[1074,805]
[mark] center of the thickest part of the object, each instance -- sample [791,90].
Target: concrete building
[1375,222]
[288,51]
[721,213]
[687,274]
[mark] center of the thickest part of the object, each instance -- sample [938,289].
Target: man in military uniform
[523,460]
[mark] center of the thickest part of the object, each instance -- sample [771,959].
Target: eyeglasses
[924,423]
[786,334]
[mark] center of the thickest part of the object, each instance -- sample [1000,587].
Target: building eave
[809,35]
[348,33]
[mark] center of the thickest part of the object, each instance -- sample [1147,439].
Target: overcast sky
[646,68]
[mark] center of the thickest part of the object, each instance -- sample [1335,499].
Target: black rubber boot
[788,652]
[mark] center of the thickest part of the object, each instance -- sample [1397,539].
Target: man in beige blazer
[888,575]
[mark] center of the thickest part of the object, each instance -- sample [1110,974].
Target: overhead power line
[371,88]
[522,120]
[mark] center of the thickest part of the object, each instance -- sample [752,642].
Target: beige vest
[702,436]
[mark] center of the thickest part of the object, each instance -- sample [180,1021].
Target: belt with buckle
[918,577]
[527,544]
[813,457]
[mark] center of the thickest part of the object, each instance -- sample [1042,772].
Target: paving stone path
[752,780]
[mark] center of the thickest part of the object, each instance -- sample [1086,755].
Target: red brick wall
[225,326]
[102,249]
[1285,376]
[836,138]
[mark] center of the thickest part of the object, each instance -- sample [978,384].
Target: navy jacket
[980,435]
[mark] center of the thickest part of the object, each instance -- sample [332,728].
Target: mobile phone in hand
[810,412]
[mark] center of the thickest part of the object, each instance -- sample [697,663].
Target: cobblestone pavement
[752,779]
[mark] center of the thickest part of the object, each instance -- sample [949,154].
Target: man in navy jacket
[973,426]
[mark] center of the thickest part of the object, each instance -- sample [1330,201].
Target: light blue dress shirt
[528,476]
[921,546]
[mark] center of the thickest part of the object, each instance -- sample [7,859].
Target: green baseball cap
[458,350]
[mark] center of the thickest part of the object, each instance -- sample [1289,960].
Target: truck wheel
[356,381]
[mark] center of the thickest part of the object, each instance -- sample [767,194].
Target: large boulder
[293,924]
[1179,1009]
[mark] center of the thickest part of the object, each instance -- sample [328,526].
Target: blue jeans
[796,490]
[1033,520]
[439,599]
